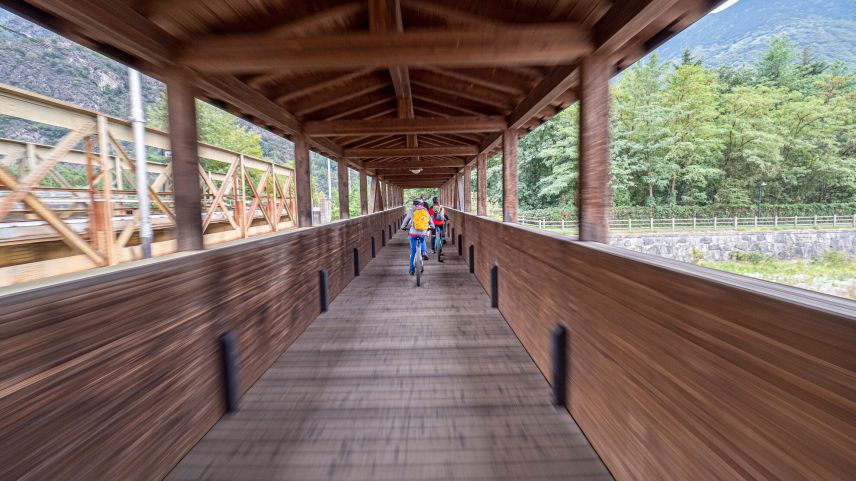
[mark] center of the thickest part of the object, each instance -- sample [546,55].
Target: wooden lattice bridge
[261,347]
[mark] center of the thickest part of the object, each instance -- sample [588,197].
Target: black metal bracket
[494,286]
[560,364]
[356,262]
[322,289]
[230,371]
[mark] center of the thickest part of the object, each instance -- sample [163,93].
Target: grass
[833,273]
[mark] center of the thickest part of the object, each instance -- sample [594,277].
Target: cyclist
[420,223]
[438,215]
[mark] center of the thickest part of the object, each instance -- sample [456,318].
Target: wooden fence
[116,373]
[679,372]
[675,224]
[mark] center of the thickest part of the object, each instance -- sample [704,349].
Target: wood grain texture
[185,163]
[115,374]
[509,175]
[594,196]
[344,189]
[364,192]
[679,372]
[397,382]
[302,181]
[481,184]
[468,189]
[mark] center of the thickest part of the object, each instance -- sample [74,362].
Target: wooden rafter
[412,152]
[446,102]
[355,90]
[487,81]
[533,44]
[339,80]
[378,164]
[404,126]
[450,15]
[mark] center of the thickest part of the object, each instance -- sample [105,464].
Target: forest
[687,140]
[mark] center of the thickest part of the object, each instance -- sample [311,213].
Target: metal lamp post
[760,197]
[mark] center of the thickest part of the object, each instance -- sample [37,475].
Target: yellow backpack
[420,219]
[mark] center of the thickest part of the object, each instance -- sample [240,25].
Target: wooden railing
[116,374]
[237,189]
[679,372]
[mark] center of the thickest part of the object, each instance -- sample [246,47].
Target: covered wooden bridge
[668,372]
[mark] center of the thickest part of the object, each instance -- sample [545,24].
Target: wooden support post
[364,193]
[468,189]
[455,185]
[378,200]
[301,181]
[246,217]
[106,240]
[185,163]
[385,196]
[344,200]
[594,195]
[30,160]
[509,175]
[481,181]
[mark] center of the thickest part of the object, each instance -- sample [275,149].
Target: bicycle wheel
[418,268]
[438,246]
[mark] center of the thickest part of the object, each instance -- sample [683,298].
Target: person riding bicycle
[438,215]
[420,223]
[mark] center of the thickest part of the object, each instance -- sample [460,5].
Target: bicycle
[418,262]
[438,242]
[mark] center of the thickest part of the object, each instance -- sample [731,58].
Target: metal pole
[138,123]
[329,181]
[760,197]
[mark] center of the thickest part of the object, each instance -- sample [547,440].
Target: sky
[724,6]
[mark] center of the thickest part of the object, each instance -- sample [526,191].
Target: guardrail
[675,224]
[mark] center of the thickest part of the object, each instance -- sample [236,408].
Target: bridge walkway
[394,383]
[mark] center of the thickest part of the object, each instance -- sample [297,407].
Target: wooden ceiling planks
[291,64]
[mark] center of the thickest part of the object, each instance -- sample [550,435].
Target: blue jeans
[413,242]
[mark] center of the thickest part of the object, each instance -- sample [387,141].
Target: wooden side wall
[679,372]
[116,373]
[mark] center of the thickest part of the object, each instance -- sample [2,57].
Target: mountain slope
[738,34]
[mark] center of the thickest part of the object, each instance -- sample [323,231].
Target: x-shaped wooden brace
[68,236]
[218,197]
[32,179]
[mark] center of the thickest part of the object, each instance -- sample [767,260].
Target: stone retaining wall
[718,246]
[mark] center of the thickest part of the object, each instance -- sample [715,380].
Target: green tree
[693,141]
[215,126]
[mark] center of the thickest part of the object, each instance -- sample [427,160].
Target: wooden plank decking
[399,383]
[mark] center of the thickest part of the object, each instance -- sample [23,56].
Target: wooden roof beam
[455,151]
[532,44]
[404,126]
[424,163]
[385,17]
